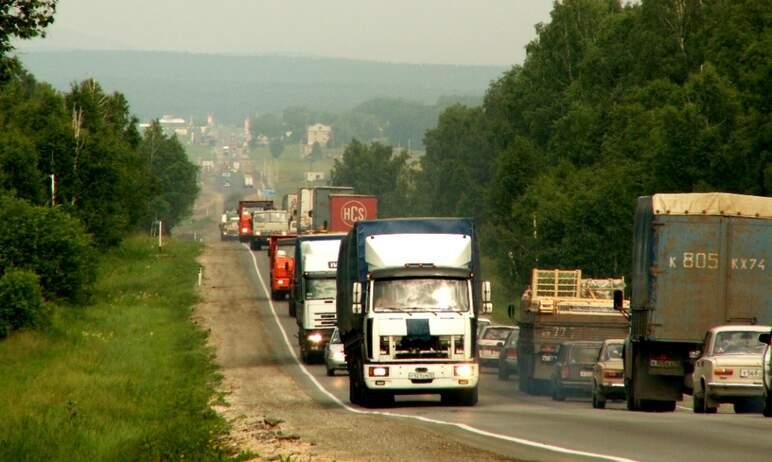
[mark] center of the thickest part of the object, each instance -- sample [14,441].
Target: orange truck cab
[282,254]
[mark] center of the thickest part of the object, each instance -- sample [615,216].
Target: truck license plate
[420,375]
[548,358]
[750,373]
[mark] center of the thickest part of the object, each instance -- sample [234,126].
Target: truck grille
[324,320]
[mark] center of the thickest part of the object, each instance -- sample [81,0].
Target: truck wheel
[557,393]
[522,380]
[749,406]
[632,405]
[291,307]
[468,397]
[598,400]
[768,407]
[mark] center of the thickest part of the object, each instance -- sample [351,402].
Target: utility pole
[160,234]
[53,189]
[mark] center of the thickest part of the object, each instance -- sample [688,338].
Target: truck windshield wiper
[395,308]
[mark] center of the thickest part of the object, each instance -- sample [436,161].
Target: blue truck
[699,260]
[409,296]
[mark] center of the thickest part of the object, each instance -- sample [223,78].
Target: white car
[766,339]
[491,342]
[334,358]
[729,369]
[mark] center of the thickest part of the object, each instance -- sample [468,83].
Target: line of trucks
[406,295]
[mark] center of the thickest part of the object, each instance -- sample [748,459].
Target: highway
[531,427]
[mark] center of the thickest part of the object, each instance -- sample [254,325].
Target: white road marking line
[685,408]
[468,428]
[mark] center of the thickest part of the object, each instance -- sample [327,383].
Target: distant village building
[314,176]
[247,130]
[177,125]
[317,133]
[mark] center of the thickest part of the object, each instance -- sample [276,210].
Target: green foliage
[375,169]
[23,19]
[172,183]
[129,378]
[21,302]
[613,102]
[48,242]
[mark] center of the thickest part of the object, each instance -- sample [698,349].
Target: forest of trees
[614,101]
[76,176]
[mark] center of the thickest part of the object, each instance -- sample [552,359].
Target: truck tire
[291,308]
[768,406]
[460,397]
[557,393]
[598,400]
[749,406]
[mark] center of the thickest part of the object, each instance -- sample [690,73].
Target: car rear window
[496,333]
[584,354]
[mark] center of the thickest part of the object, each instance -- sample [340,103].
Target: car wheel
[330,372]
[698,405]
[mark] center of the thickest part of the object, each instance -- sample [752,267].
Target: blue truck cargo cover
[700,260]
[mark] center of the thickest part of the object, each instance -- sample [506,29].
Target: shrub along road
[126,378]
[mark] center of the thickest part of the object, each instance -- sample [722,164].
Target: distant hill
[232,86]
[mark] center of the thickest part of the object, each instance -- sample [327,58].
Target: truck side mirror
[511,311]
[619,300]
[765,338]
[356,295]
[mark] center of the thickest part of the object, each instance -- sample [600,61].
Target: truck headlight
[315,338]
[463,370]
[378,371]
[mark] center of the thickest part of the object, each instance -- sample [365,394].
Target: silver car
[334,358]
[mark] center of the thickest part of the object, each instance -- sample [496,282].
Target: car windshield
[496,333]
[613,351]
[335,337]
[738,343]
[584,354]
[425,294]
[317,289]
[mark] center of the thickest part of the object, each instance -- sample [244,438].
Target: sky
[479,32]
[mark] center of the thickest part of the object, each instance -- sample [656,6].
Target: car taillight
[612,374]
[723,371]
[564,372]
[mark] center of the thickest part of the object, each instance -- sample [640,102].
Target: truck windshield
[317,289]
[429,294]
[738,342]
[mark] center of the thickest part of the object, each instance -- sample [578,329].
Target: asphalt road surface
[536,428]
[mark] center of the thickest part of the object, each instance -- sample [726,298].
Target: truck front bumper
[721,390]
[422,377]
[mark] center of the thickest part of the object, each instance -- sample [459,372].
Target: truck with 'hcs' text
[312,300]
[314,207]
[409,295]
[561,306]
[699,261]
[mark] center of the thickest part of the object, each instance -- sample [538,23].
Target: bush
[21,300]
[48,242]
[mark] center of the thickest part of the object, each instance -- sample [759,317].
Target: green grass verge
[503,291]
[126,378]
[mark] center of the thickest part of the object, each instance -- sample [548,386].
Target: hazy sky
[416,31]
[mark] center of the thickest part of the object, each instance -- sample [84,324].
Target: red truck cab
[245,216]
[282,255]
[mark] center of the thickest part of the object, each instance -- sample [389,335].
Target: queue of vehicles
[403,300]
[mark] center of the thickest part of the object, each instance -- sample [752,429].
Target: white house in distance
[317,133]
